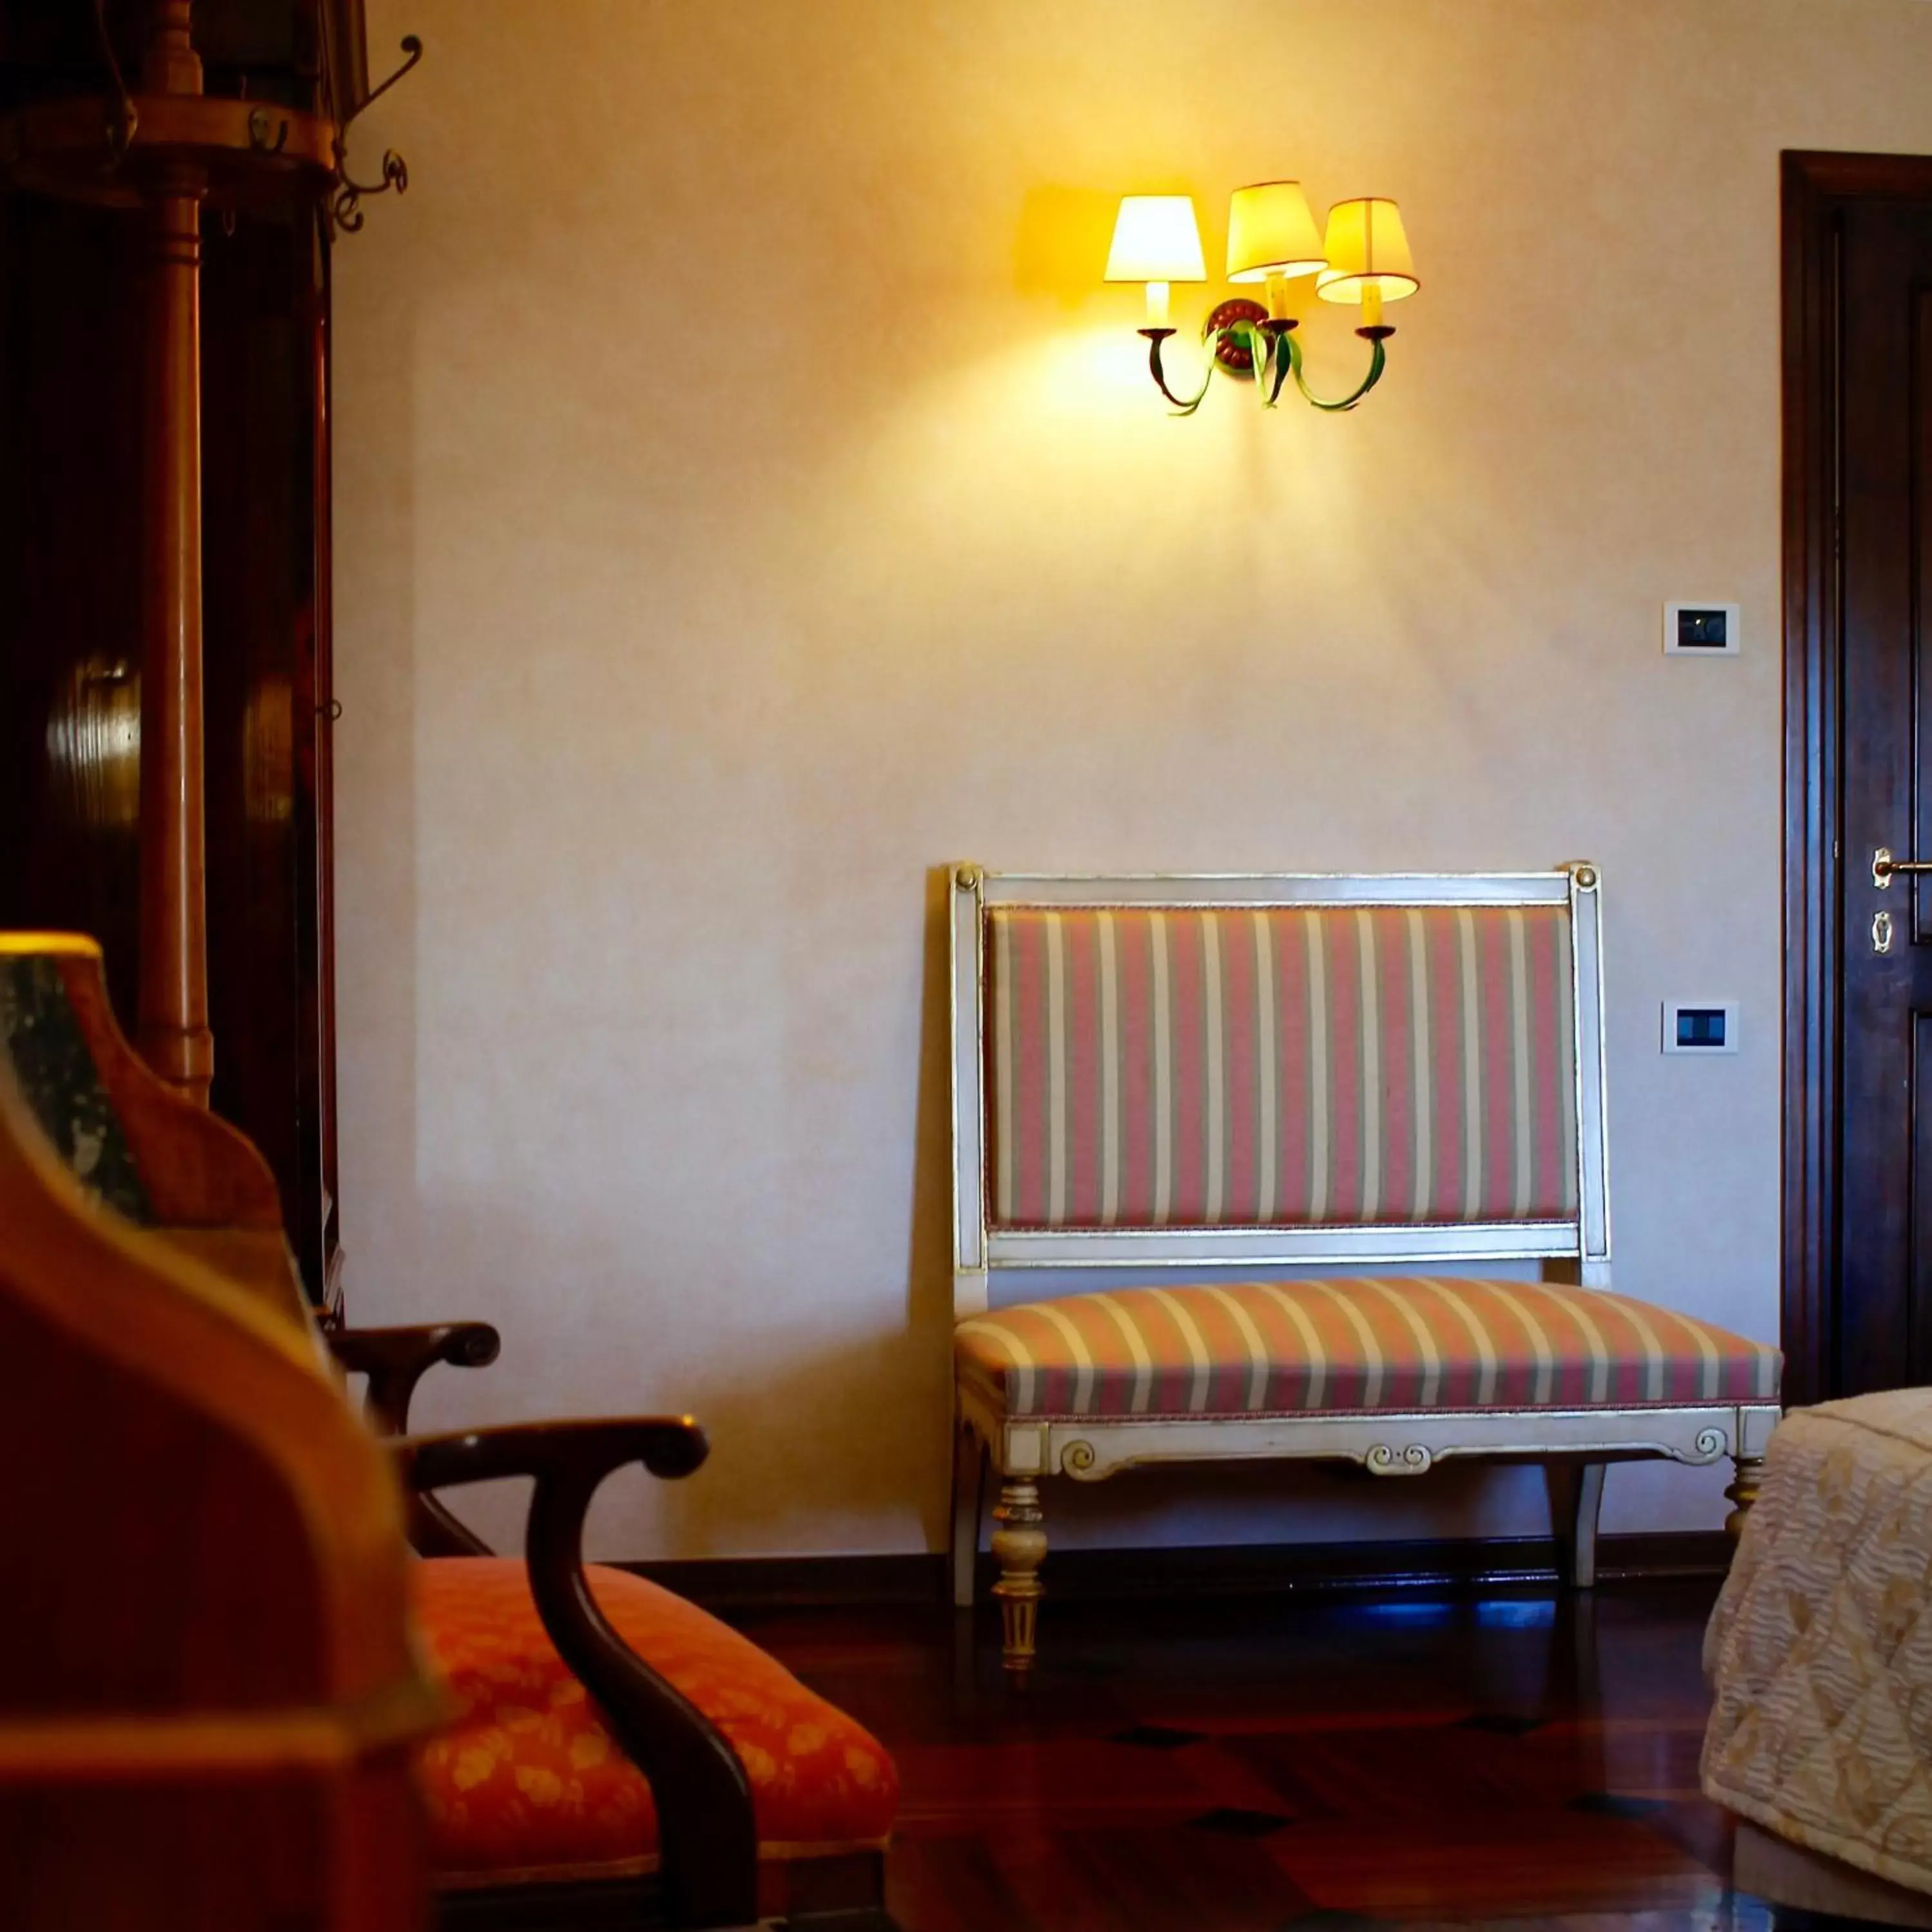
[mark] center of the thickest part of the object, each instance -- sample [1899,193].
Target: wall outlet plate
[1700,1026]
[1700,628]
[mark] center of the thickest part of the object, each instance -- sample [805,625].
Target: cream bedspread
[1820,1649]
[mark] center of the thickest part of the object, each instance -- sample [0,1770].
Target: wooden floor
[1405,1759]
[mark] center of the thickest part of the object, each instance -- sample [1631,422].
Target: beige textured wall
[748,500]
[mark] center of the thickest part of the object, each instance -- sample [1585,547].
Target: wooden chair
[753,1793]
[1215,1077]
[209,1695]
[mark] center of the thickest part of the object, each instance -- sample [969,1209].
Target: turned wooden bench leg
[1019,1546]
[1743,1491]
[969,1466]
[1575,1499]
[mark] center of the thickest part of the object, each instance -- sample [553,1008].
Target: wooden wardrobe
[125,129]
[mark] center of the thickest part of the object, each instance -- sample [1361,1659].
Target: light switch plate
[1700,1026]
[1698,627]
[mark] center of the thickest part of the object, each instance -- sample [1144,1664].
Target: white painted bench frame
[1573,1445]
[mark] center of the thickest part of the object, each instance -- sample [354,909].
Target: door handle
[1884,865]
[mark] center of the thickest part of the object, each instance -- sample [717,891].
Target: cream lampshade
[1271,231]
[1156,241]
[1369,260]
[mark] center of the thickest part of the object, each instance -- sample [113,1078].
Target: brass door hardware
[1884,865]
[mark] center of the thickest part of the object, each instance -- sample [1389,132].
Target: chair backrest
[157,1159]
[42,1035]
[1262,1069]
[209,1688]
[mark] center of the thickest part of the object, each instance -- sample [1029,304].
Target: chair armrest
[707,1832]
[669,1446]
[395,1360]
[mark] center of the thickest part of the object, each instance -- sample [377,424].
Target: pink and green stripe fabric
[1352,1347]
[1280,1066]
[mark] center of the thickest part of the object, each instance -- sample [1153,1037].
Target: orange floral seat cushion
[527,1784]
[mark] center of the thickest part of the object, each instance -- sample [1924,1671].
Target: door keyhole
[1881,932]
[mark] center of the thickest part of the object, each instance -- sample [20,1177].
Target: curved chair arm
[707,1830]
[395,1360]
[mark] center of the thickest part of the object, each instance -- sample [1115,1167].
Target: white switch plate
[1673,649]
[1673,1008]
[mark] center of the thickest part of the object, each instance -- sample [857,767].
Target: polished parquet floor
[1404,1760]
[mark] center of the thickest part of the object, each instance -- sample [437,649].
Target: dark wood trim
[725,1584]
[1810,776]
[318,1242]
[841,1893]
[585,1905]
[395,1359]
[1814,188]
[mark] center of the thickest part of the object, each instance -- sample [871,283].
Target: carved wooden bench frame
[1575,1445]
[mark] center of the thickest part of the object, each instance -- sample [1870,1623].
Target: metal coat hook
[258,133]
[412,45]
[124,118]
[344,206]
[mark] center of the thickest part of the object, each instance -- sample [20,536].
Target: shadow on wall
[816,1413]
[1061,246]
[833,1416]
[377,820]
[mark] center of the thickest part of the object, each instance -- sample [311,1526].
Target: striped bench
[1248,1147]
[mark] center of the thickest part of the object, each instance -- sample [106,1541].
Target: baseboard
[1238,1569]
[776,1582]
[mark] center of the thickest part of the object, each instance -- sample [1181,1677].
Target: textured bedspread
[1820,1649]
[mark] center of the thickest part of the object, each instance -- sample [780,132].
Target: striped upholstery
[1352,1346]
[1280,1066]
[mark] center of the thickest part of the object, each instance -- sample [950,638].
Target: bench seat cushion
[526,1784]
[1352,1347]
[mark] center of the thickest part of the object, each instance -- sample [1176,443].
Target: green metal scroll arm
[1183,406]
[1378,362]
[1260,342]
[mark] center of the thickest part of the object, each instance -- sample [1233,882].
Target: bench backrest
[1263,1069]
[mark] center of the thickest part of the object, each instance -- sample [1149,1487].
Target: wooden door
[1859,547]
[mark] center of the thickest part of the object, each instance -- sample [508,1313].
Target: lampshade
[1366,249]
[1156,239]
[1271,231]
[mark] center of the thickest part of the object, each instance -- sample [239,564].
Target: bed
[1819,1653]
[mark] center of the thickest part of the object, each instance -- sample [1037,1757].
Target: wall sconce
[1272,239]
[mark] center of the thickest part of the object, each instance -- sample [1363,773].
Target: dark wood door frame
[1817,188]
